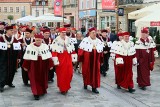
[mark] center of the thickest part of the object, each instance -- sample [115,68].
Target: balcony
[125,2]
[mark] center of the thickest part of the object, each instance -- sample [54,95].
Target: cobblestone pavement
[109,96]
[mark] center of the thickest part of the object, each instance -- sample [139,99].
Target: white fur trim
[55,60]
[134,61]
[125,49]
[119,61]
[32,52]
[3,46]
[87,45]
[156,54]
[74,57]
[113,56]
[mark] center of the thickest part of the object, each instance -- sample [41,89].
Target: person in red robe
[9,50]
[90,53]
[63,54]
[112,51]
[125,59]
[145,58]
[48,41]
[37,62]
[25,41]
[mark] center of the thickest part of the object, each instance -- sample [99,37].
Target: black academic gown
[8,62]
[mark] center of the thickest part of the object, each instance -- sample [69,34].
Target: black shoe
[11,85]
[104,74]
[27,85]
[131,90]
[143,88]
[118,87]
[64,92]
[85,87]
[95,90]
[1,89]
[36,97]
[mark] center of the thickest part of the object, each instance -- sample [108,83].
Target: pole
[63,10]
[36,8]
[117,16]
[96,15]
[43,7]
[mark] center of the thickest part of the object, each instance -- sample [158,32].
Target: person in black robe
[106,53]
[8,58]
[25,41]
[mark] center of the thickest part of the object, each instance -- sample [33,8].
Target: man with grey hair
[111,36]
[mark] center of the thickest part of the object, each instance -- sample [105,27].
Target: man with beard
[9,47]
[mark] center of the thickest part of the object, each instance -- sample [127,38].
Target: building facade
[40,7]
[87,13]
[16,8]
[71,11]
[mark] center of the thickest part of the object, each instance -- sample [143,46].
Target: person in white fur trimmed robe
[90,53]
[125,59]
[38,62]
[63,54]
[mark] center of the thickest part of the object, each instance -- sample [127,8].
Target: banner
[155,23]
[58,7]
[108,5]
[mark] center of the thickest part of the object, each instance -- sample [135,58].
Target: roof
[15,1]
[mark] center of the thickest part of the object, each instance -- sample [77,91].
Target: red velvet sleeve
[80,55]
[26,64]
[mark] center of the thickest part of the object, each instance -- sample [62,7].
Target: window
[103,23]
[87,4]
[11,9]
[17,9]
[43,3]
[37,3]
[5,9]
[82,7]
[0,9]
[64,2]
[94,4]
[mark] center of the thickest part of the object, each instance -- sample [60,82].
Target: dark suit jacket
[113,37]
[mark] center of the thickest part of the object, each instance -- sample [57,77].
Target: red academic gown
[64,70]
[90,67]
[145,61]
[8,62]
[38,74]
[124,74]
[51,72]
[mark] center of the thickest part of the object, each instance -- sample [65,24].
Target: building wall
[87,13]
[23,7]
[71,12]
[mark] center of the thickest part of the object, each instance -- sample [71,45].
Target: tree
[10,17]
